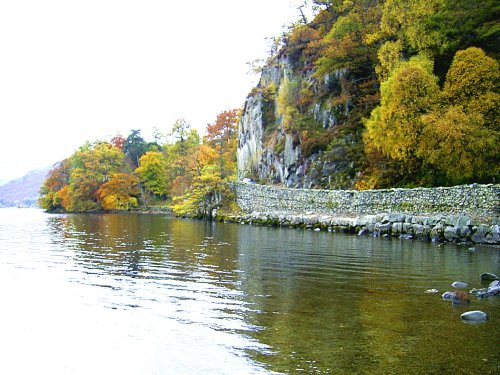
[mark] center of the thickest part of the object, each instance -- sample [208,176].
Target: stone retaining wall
[467,213]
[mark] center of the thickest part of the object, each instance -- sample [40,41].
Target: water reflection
[152,294]
[343,304]
[148,283]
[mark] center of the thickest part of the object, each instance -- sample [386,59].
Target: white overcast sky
[72,71]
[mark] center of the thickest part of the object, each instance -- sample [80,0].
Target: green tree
[134,147]
[181,129]
[152,173]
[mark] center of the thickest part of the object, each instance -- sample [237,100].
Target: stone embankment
[461,214]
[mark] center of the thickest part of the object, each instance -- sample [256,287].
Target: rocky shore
[439,228]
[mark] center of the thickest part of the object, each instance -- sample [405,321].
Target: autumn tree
[221,135]
[206,194]
[215,159]
[461,135]
[458,147]
[181,162]
[93,165]
[57,179]
[119,193]
[152,173]
[118,141]
[395,126]
[345,45]
[473,81]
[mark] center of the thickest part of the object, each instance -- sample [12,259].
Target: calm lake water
[139,294]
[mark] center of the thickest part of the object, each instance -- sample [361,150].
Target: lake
[150,294]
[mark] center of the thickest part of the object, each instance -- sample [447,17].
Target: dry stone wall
[468,213]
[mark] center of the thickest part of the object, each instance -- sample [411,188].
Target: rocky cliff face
[296,129]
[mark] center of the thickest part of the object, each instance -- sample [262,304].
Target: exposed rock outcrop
[296,150]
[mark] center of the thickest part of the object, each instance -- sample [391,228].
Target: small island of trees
[188,173]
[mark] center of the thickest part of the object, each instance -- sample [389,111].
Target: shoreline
[461,229]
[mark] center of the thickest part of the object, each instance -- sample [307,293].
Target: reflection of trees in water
[327,303]
[345,304]
[119,244]
[296,286]
[136,244]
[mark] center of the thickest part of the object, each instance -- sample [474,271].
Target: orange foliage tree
[221,135]
[119,193]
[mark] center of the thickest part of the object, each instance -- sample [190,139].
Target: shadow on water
[308,302]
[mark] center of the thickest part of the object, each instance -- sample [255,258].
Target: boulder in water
[480,293]
[494,288]
[475,316]
[460,298]
[448,295]
[486,276]
[459,284]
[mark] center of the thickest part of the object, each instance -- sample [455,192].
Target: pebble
[432,291]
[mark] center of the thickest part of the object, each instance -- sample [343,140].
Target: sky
[74,71]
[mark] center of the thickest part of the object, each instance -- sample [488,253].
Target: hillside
[376,94]
[23,191]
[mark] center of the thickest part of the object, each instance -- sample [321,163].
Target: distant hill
[23,191]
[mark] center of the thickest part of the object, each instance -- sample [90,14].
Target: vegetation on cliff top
[413,85]
[187,173]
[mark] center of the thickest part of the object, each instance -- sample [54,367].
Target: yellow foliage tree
[152,172]
[458,145]
[395,126]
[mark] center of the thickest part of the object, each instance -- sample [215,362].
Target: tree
[395,126]
[119,193]
[206,194]
[118,141]
[91,166]
[221,135]
[152,173]
[57,179]
[134,147]
[473,81]
[459,147]
[442,137]
[181,129]
[181,159]
[461,136]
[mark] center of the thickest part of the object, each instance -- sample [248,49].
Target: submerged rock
[459,284]
[457,298]
[480,293]
[448,295]
[494,288]
[486,276]
[475,316]
[460,298]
